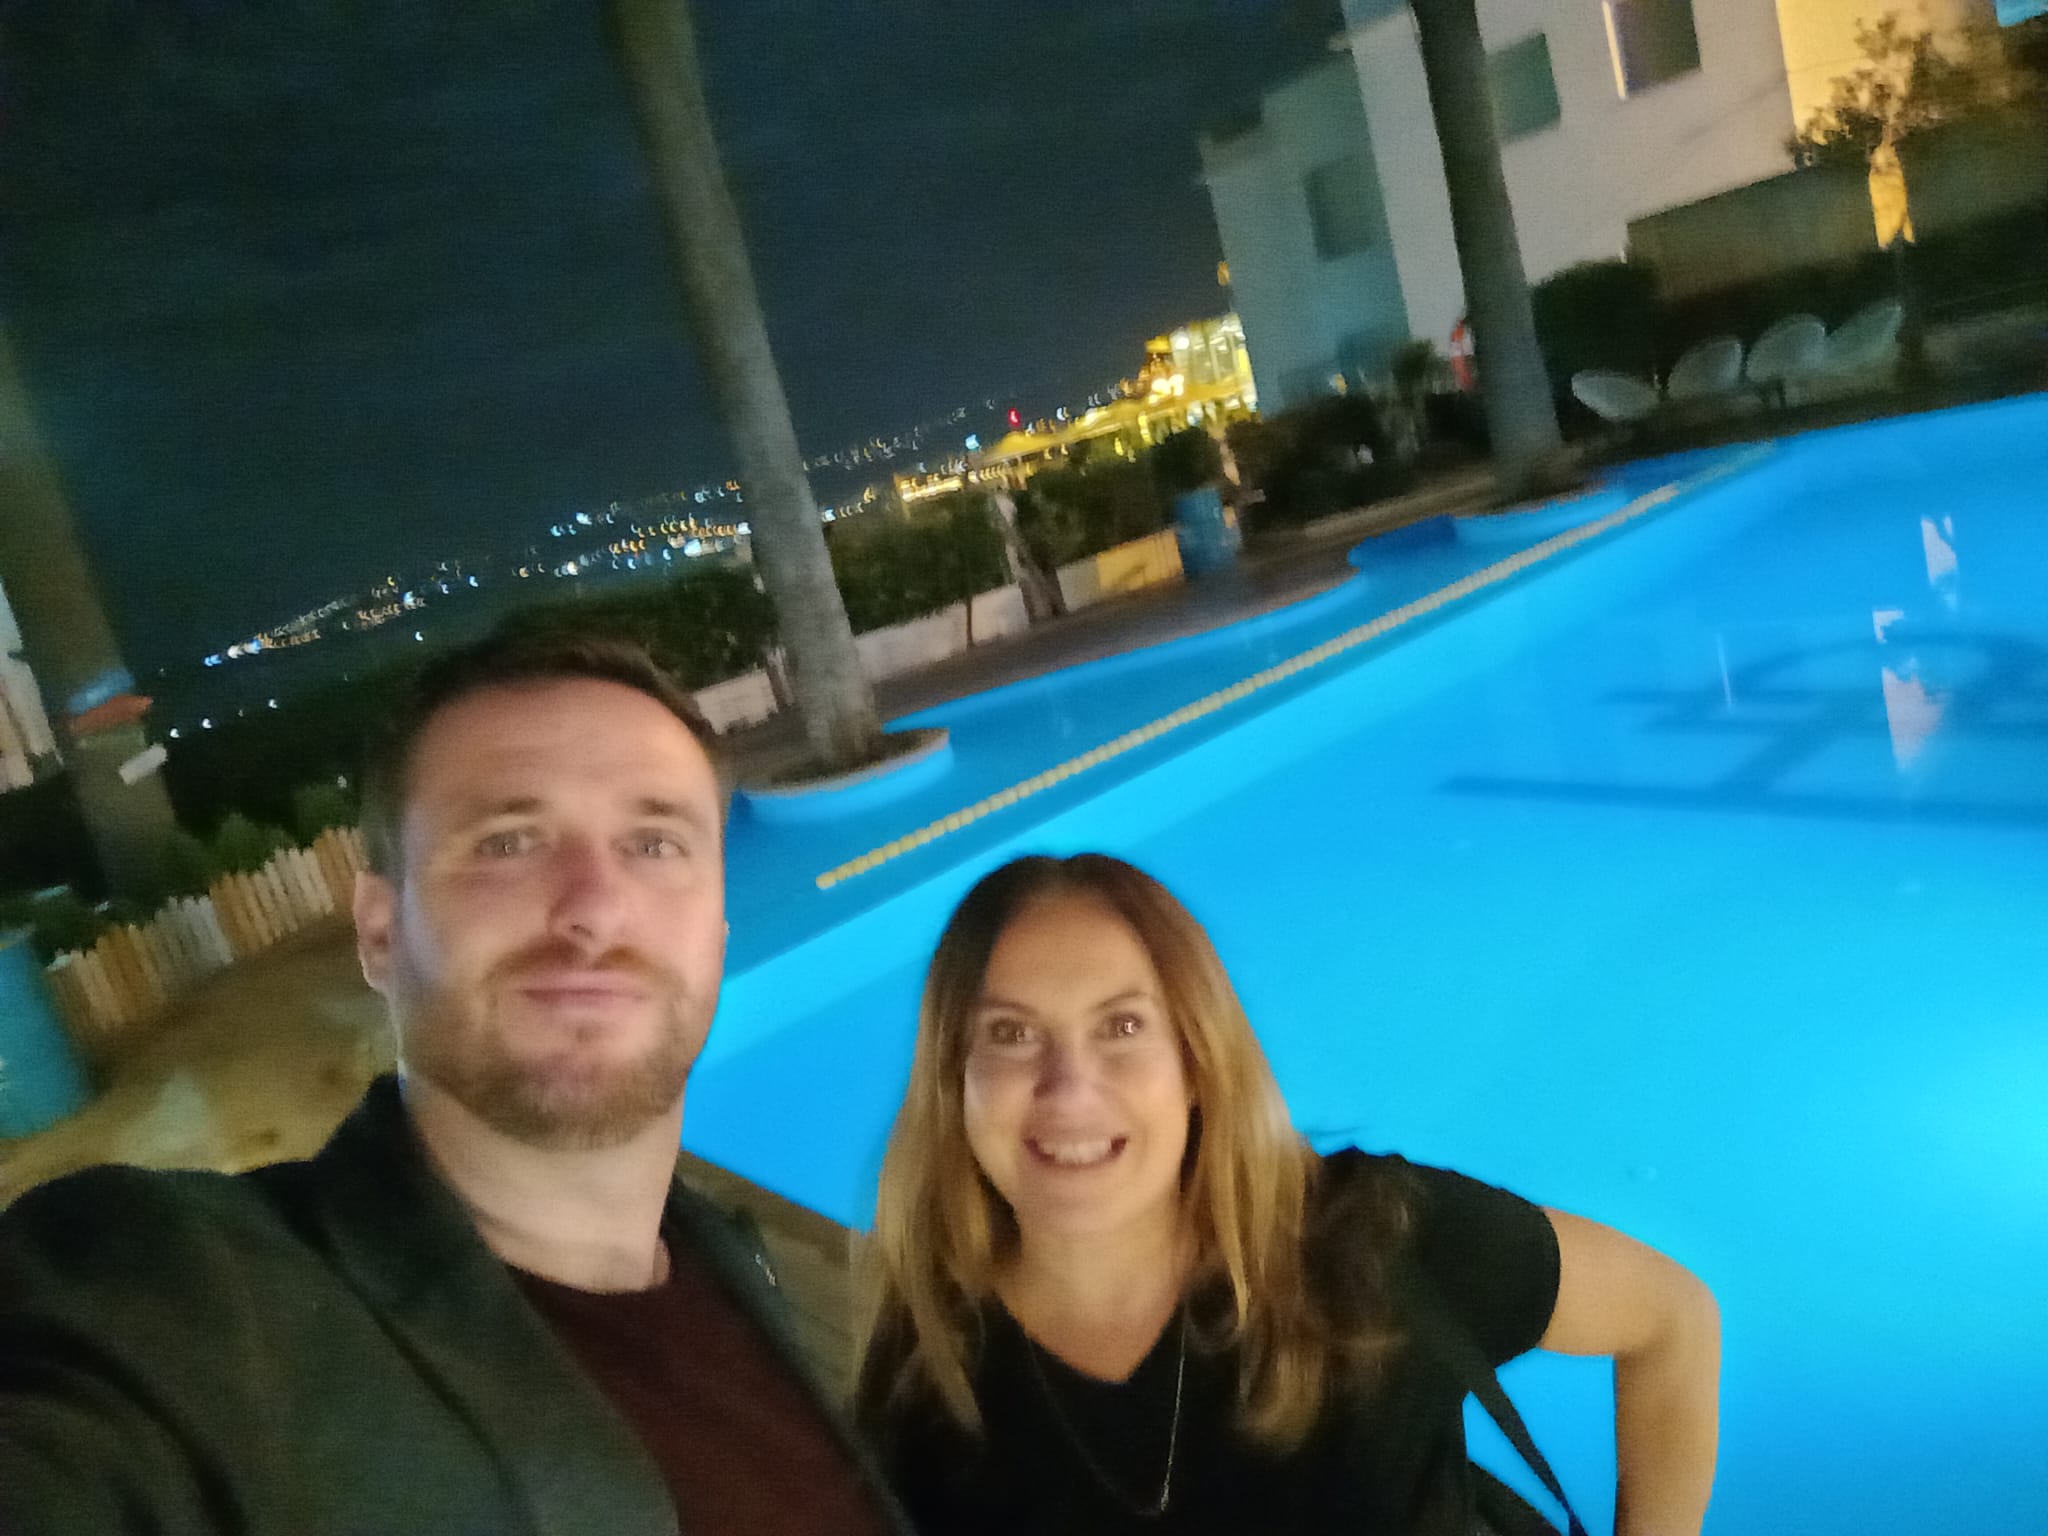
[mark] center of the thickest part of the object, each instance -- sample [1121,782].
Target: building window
[1523,87]
[1653,41]
[1343,206]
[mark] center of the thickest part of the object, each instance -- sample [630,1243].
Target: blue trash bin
[1206,531]
[40,1076]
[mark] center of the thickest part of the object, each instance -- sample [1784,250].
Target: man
[485,1307]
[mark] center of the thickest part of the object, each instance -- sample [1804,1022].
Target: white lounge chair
[1785,355]
[1615,397]
[1868,338]
[1706,372]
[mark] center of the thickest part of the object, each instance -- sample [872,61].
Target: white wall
[1299,309]
[738,701]
[1575,186]
[919,643]
[24,729]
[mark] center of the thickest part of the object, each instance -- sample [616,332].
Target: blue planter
[1206,532]
[40,1076]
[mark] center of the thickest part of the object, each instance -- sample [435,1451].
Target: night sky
[313,291]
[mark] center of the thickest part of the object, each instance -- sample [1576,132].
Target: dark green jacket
[323,1348]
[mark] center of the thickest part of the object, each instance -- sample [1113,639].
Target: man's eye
[506,845]
[657,845]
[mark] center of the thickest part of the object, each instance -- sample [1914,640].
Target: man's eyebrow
[486,808]
[663,809]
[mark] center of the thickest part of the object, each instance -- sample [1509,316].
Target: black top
[1065,1453]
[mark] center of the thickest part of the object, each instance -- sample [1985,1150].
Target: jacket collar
[406,1244]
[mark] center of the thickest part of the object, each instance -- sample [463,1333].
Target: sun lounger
[1615,397]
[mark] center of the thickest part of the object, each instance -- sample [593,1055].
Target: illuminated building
[1197,375]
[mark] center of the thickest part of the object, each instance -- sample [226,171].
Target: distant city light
[418,636]
[472,581]
[583,518]
[174,733]
[973,441]
[273,703]
[206,722]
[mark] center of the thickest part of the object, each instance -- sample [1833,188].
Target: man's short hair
[506,658]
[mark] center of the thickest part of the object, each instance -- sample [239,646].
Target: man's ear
[376,913]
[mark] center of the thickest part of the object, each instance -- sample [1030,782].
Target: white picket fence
[110,993]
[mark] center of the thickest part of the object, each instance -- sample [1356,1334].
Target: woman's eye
[1009,1032]
[1125,1025]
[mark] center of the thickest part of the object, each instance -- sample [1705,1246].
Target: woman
[1114,1290]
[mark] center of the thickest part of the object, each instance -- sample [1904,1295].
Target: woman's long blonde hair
[1298,1313]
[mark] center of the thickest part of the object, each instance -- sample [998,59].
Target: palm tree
[71,648]
[1521,416]
[655,45]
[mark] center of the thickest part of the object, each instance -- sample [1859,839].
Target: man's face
[552,946]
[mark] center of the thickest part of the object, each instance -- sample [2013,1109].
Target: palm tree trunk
[1520,414]
[71,649]
[656,50]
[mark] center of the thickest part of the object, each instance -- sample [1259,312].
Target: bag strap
[1475,1374]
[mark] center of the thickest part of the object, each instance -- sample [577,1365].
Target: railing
[111,991]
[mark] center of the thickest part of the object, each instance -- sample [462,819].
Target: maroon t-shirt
[741,1443]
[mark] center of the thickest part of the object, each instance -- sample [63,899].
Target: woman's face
[1076,1098]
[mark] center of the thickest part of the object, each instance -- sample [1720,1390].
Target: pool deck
[1285,568]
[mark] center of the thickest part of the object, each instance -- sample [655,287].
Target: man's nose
[589,896]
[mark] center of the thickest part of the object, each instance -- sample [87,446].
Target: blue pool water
[1695,880]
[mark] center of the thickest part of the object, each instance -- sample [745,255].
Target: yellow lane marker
[1315,656]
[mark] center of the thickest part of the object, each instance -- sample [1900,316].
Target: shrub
[1327,456]
[1418,371]
[1598,314]
[242,846]
[57,920]
[317,807]
[892,569]
[1186,461]
[189,866]
[1065,515]
[705,626]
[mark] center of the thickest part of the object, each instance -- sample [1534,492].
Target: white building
[1608,110]
[24,729]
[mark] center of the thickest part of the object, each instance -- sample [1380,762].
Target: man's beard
[560,1100]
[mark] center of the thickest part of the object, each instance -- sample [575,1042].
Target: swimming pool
[1695,879]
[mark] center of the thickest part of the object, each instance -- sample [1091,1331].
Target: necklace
[1143,1510]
